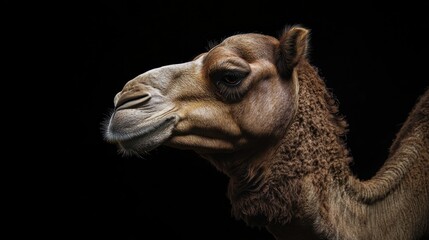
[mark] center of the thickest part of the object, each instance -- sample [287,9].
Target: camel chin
[135,136]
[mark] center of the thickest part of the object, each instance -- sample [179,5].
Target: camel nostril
[126,101]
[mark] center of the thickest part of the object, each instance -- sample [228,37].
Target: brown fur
[299,154]
[259,111]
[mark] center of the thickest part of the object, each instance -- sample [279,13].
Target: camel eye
[232,79]
[229,83]
[229,78]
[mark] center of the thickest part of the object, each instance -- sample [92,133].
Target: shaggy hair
[309,178]
[273,192]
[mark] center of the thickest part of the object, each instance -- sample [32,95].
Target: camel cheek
[265,113]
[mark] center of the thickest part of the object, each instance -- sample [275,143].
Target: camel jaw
[136,136]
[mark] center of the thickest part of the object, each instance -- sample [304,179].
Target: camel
[257,109]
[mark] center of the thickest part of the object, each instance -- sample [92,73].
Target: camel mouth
[138,137]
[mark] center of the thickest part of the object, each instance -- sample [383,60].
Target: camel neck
[312,152]
[311,146]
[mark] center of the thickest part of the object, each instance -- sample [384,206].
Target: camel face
[255,107]
[231,99]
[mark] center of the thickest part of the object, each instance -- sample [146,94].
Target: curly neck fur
[312,145]
[305,183]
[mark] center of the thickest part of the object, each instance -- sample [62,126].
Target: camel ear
[292,48]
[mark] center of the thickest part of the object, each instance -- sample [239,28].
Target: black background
[373,57]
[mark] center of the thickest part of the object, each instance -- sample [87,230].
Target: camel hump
[409,150]
[423,104]
[416,123]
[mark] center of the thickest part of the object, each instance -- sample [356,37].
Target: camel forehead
[251,45]
[253,39]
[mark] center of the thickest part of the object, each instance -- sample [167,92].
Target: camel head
[230,102]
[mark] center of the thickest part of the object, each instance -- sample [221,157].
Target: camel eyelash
[229,93]
[228,83]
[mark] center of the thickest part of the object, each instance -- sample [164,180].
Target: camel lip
[142,131]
